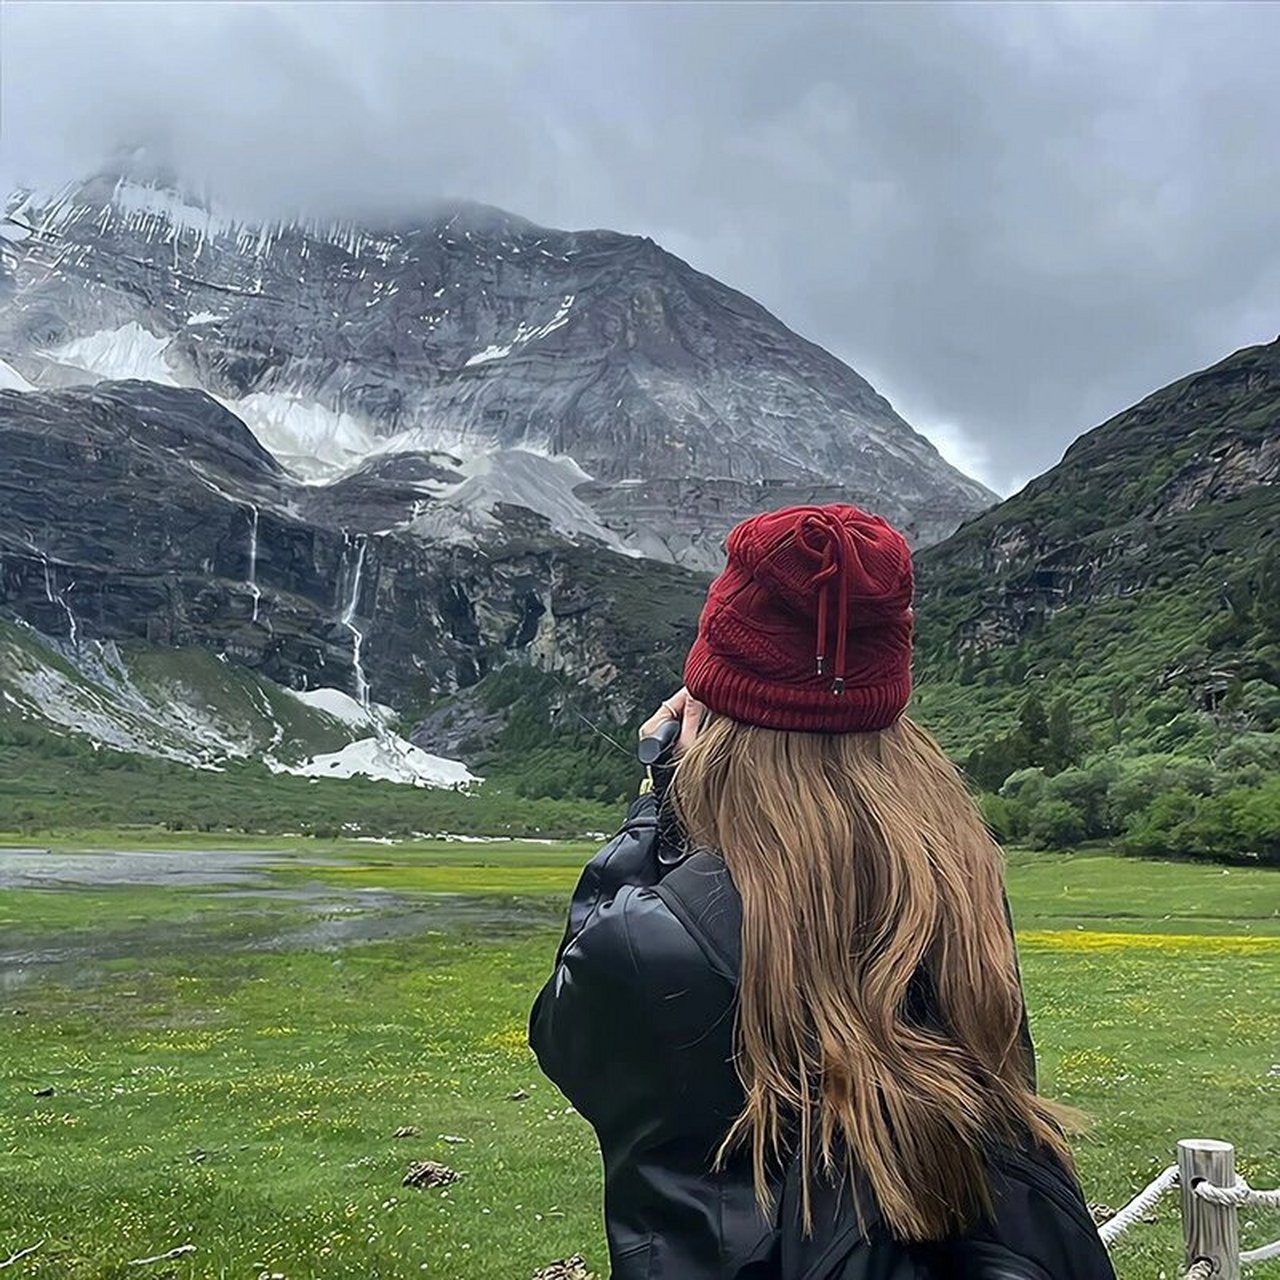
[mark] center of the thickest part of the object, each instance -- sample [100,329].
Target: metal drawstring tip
[822,664]
[837,686]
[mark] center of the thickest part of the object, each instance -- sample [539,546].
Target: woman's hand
[680,706]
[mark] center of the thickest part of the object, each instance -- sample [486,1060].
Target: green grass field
[225,1078]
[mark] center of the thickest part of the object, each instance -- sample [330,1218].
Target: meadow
[227,1065]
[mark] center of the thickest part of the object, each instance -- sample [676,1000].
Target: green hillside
[1116,626]
[107,738]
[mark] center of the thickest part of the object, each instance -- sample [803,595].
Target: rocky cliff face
[658,406]
[131,511]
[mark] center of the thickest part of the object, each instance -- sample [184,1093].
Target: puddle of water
[43,869]
[260,915]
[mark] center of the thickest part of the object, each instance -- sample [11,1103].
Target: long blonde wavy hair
[862,863]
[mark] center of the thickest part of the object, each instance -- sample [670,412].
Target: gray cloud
[1015,220]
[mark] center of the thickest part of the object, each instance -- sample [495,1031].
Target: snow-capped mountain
[381,463]
[586,376]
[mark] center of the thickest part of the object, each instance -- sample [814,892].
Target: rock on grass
[429,1173]
[574,1268]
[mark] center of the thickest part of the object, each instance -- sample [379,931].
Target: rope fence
[1239,1195]
[1212,1195]
[1249,1256]
[1141,1204]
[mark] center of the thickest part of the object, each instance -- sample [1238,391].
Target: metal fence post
[1209,1231]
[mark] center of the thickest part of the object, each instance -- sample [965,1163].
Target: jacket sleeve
[577,1026]
[630,858]
[592,1026]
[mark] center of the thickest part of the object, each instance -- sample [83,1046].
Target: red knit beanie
[809,626]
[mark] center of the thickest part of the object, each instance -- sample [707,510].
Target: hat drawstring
[820,656]
[837,554]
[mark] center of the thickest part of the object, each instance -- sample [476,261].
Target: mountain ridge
[1132,579]
[466,338]
[483,543]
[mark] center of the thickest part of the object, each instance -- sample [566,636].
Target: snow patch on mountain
[49,206]
[161,213]
[127,352]
[525,333]
[342,706]
[320,445]
[488,354]
[96,696]
[205,714]
[316,443]
[139,202]
[385,758]
[12,380]
[518,477]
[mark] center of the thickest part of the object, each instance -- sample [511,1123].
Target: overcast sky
[1014,220]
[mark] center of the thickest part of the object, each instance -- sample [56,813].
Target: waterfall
[60,598]
[71,617]
[253,560]
[348,621]
[252,508]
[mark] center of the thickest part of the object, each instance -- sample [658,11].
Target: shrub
[1055,824]
[1240,824]
[1087,790]
[1006,818]
[1026,786]
[1250,751]
[1141,780]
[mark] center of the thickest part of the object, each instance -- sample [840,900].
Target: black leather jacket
[636,1027]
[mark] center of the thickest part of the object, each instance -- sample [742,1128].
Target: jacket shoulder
[634,938]
[701,894]
[630,858]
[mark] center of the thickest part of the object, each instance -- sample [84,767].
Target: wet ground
[39,868]
[257,911]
